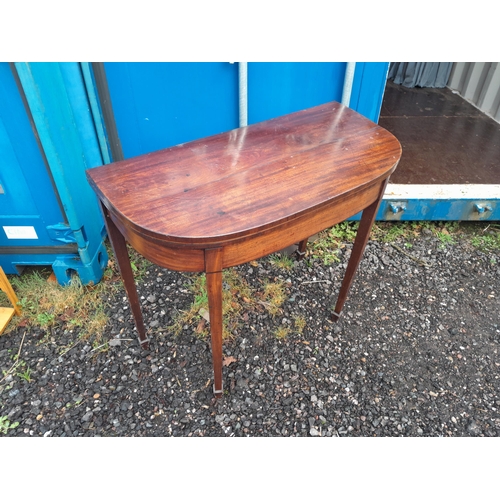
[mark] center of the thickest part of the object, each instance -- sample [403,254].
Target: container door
[158,105]
[29,206]
[276,89]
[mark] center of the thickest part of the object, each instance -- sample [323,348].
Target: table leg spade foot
[218,392]
[301,251]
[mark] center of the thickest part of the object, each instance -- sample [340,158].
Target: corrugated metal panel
[479,83]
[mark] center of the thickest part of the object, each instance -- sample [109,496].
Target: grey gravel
[415,353]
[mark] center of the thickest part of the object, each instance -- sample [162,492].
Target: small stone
[386,260]
[314,432]
[87,416]
[473,428]
[151,299]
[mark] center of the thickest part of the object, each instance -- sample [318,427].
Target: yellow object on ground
[6,313]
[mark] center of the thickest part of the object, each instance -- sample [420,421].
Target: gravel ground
[415,353]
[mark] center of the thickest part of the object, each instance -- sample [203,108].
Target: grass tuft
[237,298]
[281,261]
[273,296]
[235,294]
[330,241]
[299,323]
[282,332]
[46,304]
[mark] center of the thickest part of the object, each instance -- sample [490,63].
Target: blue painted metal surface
[368,88]
[275,89]
[158,105]
[96,110]
[57,98]
[452,209]
[28,201]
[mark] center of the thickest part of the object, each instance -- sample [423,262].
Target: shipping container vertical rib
[478,83]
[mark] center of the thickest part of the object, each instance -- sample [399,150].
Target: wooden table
[235,197]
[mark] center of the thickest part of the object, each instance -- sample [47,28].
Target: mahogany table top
[237,183]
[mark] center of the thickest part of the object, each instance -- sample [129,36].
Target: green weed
[388,232]
[237,298]
[281,261]
[445,238]
[329,242]
[45,319]
[46,304]
[486,242]
[6,425]
[140,266]
[235,294]
[25,375]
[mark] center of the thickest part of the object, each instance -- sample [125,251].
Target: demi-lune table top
[232,184]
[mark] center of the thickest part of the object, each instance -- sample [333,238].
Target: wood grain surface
[240,182]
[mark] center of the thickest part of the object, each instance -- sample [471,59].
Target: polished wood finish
[238,196]
[365,225]
[213,269]
[119,246]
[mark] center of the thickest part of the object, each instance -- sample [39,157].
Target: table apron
[179,257]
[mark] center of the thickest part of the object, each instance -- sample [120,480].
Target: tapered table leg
[213,267]
[362,236]
[119,246]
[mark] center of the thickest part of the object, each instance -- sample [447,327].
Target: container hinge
[481,208]
[396,207]
[61,232]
